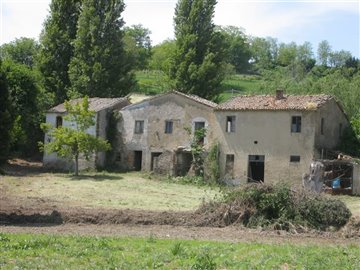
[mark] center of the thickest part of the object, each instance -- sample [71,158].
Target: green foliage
[198,62]
[21,51]
[323,52]
[57,48]
[280,207]
[5,116]
[162,56]
[138,45]
[100,66]
[25,97]
[237,47]
[198,151]
[204,261]
[212,164]
[70,142]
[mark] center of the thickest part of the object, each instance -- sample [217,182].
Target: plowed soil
[34,215]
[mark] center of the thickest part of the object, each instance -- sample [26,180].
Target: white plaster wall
[271,130]
[51,160]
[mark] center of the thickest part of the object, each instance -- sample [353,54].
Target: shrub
[277,206]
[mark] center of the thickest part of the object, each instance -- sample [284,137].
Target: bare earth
[35,215]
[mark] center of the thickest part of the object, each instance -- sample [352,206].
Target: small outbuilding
[103,107]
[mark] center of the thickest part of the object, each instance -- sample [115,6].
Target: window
[229,165]
[199,125]
[59,121]
[168,126]
[294,158]
[230,124]
[296,124]
[139,126]
[322,126]
[340,130]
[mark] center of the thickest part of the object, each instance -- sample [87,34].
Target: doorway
[154,156]
[137,160]
[256,168]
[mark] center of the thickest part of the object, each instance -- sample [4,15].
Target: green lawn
[34,251]
[113,190]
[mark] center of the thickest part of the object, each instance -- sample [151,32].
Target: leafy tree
[339,58]
[26,113]
[56,46]
[100,65]
[264,52]
[198,61]
[162,56]
[323,52]
[237,47]
[70,142]
[138,44]
[21,51]
[5,117]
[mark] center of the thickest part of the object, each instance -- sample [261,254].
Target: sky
[293,20]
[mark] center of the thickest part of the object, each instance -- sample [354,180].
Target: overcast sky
[292,20]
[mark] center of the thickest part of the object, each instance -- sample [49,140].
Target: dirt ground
[34,215]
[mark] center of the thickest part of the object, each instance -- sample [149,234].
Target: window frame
[59,121]
[230,124]
[296,123]
[139,127]
[295,158]
[169,126]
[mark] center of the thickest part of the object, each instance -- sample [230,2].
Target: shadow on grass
[97,177]
[49,219]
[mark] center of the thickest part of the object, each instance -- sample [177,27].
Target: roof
[270,103]
[197,99]
[191,97]
[95,104]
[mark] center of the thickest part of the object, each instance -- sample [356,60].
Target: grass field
[155,82]
[113,190]
[34,251]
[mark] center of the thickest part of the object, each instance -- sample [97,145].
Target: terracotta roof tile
[267,102]
[95,104]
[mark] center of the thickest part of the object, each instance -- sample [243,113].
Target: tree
[162,55]
[339,58]
[56,46]
[24,94]
[100,66]
[138,44]
[237,47]
[72,142]
[323,52]
[198,61]
[21,51]
[264,52]
[5,117]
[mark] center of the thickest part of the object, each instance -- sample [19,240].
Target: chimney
[279,94]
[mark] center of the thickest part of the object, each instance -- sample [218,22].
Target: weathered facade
[156,133]
[275,138]
[103,107]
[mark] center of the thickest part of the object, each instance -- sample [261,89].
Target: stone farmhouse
[155,132]
[275,138]
[102,107]
[261,138]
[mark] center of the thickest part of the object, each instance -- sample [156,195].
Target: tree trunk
[76,164]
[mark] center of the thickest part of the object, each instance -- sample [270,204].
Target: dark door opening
[137,160]
[256,168]
[154,155]
[183,163]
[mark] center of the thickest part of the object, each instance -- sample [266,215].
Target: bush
[277,206]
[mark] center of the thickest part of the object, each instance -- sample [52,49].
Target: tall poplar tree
[99,66]
[56,46]
[198,62]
